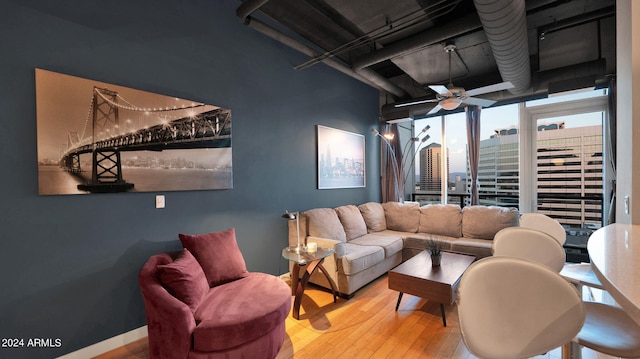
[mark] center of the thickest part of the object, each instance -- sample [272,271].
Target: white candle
[312,247]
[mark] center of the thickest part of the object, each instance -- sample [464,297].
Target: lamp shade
[450,103]
[289,215]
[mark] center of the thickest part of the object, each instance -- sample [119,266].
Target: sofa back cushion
[483,222]
[352,221]
[373,215]
[441,219]
[218,254]
[185,279]
[324,223]
[404,217]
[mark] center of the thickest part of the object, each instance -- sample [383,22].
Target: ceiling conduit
[505,23]
[419,41]
[367,76]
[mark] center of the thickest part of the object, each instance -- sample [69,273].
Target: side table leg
[331,283]
[301,285]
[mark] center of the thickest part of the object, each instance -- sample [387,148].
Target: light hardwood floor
[365,326]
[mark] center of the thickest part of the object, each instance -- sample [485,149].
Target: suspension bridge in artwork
[186,126]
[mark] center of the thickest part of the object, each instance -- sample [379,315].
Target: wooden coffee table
[417,277]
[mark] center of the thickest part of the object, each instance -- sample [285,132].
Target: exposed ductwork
[505,23]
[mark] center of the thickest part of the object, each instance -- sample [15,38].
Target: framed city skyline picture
[341,162]
[96,137]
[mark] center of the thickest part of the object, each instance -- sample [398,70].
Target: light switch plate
[160,201]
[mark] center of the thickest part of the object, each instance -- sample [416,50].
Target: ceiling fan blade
[440,89]
[491,88]
[416,102]
[478,101]
[435,109]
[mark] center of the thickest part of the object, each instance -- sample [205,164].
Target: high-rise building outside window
[555,169]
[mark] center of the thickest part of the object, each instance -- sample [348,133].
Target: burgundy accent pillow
[184,279]
[218,254]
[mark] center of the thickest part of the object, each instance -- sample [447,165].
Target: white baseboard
[285,276]
[108,344]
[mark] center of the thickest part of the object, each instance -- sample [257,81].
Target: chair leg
[567,351]
[571,350]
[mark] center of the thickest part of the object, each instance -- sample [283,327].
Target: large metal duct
[505,23]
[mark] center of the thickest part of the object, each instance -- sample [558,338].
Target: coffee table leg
[399,299]
[444,318]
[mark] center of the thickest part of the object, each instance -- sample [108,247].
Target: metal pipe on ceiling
[249,7]
[369,77]
[414,43]
[505,23]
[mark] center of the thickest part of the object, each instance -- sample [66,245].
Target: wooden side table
[310,261]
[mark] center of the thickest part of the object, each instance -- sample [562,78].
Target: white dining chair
[529,244]
[510,308]
[607,329]
[580,274]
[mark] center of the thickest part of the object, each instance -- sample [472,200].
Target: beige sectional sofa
[372,238]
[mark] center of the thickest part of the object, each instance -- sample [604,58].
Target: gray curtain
[392,181]
[473,141]
[611,149]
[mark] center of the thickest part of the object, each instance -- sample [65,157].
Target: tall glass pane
[569,167]
[498,168]
[426,157]
[456,141]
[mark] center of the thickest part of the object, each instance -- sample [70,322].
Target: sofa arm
[338,246]
[168,319]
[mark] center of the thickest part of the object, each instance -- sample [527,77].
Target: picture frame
[97,137]
[341,158]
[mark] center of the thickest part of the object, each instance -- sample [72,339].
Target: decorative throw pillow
[184,279]
[441,219]
[404,217]
[218,254]
[352,221]
[373,215]
[324,223]
[483,222]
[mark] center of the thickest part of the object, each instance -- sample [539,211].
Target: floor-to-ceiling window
[567,157]
[541,156]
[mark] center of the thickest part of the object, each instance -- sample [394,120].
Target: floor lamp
[300,248]
[394,162]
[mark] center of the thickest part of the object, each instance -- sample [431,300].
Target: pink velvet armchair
[201,302]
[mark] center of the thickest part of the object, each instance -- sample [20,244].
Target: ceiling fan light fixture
[450,103]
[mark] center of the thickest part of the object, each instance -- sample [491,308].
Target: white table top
[615,258]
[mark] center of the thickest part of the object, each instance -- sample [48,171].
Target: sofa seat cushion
[352,221]
[404,217]
[373,215]
[390,244]
[419,241]
[357,258]
[229,315]
[483,222]
[479,247]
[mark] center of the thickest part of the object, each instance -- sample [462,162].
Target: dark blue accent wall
[70,263]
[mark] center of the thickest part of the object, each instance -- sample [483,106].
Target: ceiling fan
[450,97]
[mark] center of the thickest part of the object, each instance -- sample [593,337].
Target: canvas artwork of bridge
[95,137]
